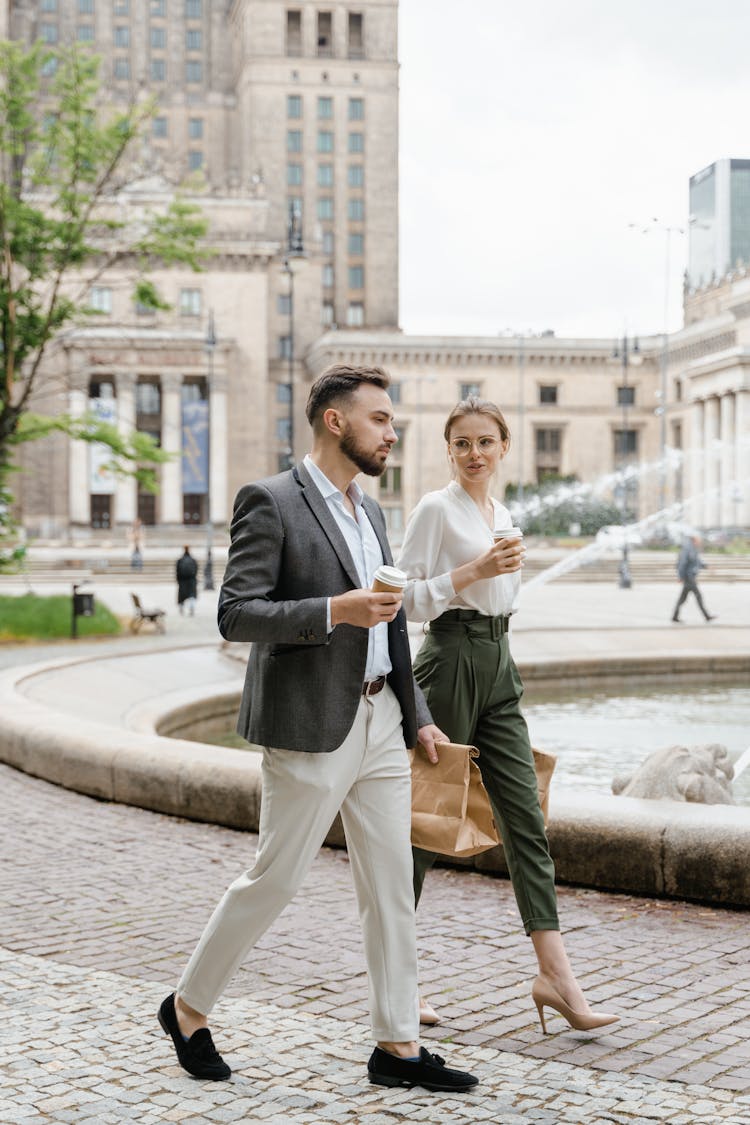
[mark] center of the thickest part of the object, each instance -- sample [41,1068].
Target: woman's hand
[504,557]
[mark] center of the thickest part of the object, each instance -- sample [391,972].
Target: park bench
[151,616]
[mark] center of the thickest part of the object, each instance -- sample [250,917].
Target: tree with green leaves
[64,162]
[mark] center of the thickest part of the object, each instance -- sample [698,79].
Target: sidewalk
[102,904]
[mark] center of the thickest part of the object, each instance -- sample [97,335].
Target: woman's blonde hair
[475,405]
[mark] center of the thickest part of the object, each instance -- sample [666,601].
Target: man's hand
[428,736]
[364,608]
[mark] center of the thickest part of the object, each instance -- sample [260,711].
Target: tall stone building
[281,121]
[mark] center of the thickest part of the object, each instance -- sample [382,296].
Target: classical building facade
[281,121]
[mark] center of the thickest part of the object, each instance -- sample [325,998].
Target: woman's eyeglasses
[462,447]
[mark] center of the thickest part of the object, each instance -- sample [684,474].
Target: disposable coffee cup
[507,533]
[389,580]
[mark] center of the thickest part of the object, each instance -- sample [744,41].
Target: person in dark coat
[187,582]
[689,564]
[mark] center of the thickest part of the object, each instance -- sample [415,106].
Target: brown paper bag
[450,808]
[451,811]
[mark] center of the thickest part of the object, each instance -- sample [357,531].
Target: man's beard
[365,462]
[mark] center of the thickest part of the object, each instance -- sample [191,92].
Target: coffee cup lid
[390,575]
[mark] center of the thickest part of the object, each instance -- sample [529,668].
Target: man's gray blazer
[287,557]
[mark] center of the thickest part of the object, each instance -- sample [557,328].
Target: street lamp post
[209,344]
[295,249]
[623,351]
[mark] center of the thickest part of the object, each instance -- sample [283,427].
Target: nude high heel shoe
[427,1014]
[544,994]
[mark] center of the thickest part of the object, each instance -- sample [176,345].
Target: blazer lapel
[375,516]
[321,511]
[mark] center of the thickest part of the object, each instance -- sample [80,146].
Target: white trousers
[368,779]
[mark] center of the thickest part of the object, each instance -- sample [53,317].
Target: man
[330,695]
[186,572]
[689,563]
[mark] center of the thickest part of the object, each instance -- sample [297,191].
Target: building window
[294,33]
[283,430]
[294,105]
[325,34]
[325,140]
[193,9]
[49,67]
[394,393]
[284,393]
[328,276]
[626,396]
[190,302]
[85,33]
[285,347]
[548,441]
[325,109]
[159,127]
[355,314]
[86,7]
[356,244]
[284,304]
[327,314]
[626,443]
[356,109]
[394,523]
[48,32]
[195,160]
[49,5]
[356,38]
[355,209]
[158,70]
[100,299]
[548,396]
[355,176]
[122,68]
[325,207]
[466,390]
[356,142]
[328,243]
[158,7]
[195,128]
[122,37]
[193,70]
[390,481]
[194,39]
[158,38]
[294,140]
[101,510]
[325,175]
[356,277]
[293,175]
[121,7]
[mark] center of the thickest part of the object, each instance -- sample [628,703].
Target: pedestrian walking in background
[136,536]
[465,578]
[689,565]
[330,696]
[187,581]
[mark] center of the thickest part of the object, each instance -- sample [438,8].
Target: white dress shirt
[446,530]
[366,554]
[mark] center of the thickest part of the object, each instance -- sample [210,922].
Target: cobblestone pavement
[101,905]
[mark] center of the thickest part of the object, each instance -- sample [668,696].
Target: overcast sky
[533,132]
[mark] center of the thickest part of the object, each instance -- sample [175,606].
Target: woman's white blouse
[446,530]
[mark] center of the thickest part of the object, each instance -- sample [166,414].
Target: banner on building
[102,480]
[195,447]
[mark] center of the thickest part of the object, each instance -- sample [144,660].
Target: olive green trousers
[474,690]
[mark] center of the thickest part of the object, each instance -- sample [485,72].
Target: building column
[79,502]
[726,460]
[712,504]
[741,506]
[126,489]
[694,463]
[171,442]
[218,448]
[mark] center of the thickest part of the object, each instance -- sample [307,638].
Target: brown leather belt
[372,687]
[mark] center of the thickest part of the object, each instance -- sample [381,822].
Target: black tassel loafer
[428,1071]
[197,1055]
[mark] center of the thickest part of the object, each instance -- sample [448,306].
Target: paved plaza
[102,904]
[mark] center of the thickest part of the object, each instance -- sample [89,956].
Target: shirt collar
[329,490]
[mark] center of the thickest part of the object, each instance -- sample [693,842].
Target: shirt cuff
[329,627]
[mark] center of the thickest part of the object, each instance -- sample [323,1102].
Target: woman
[467,586]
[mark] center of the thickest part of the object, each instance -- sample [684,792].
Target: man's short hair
[337,384]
